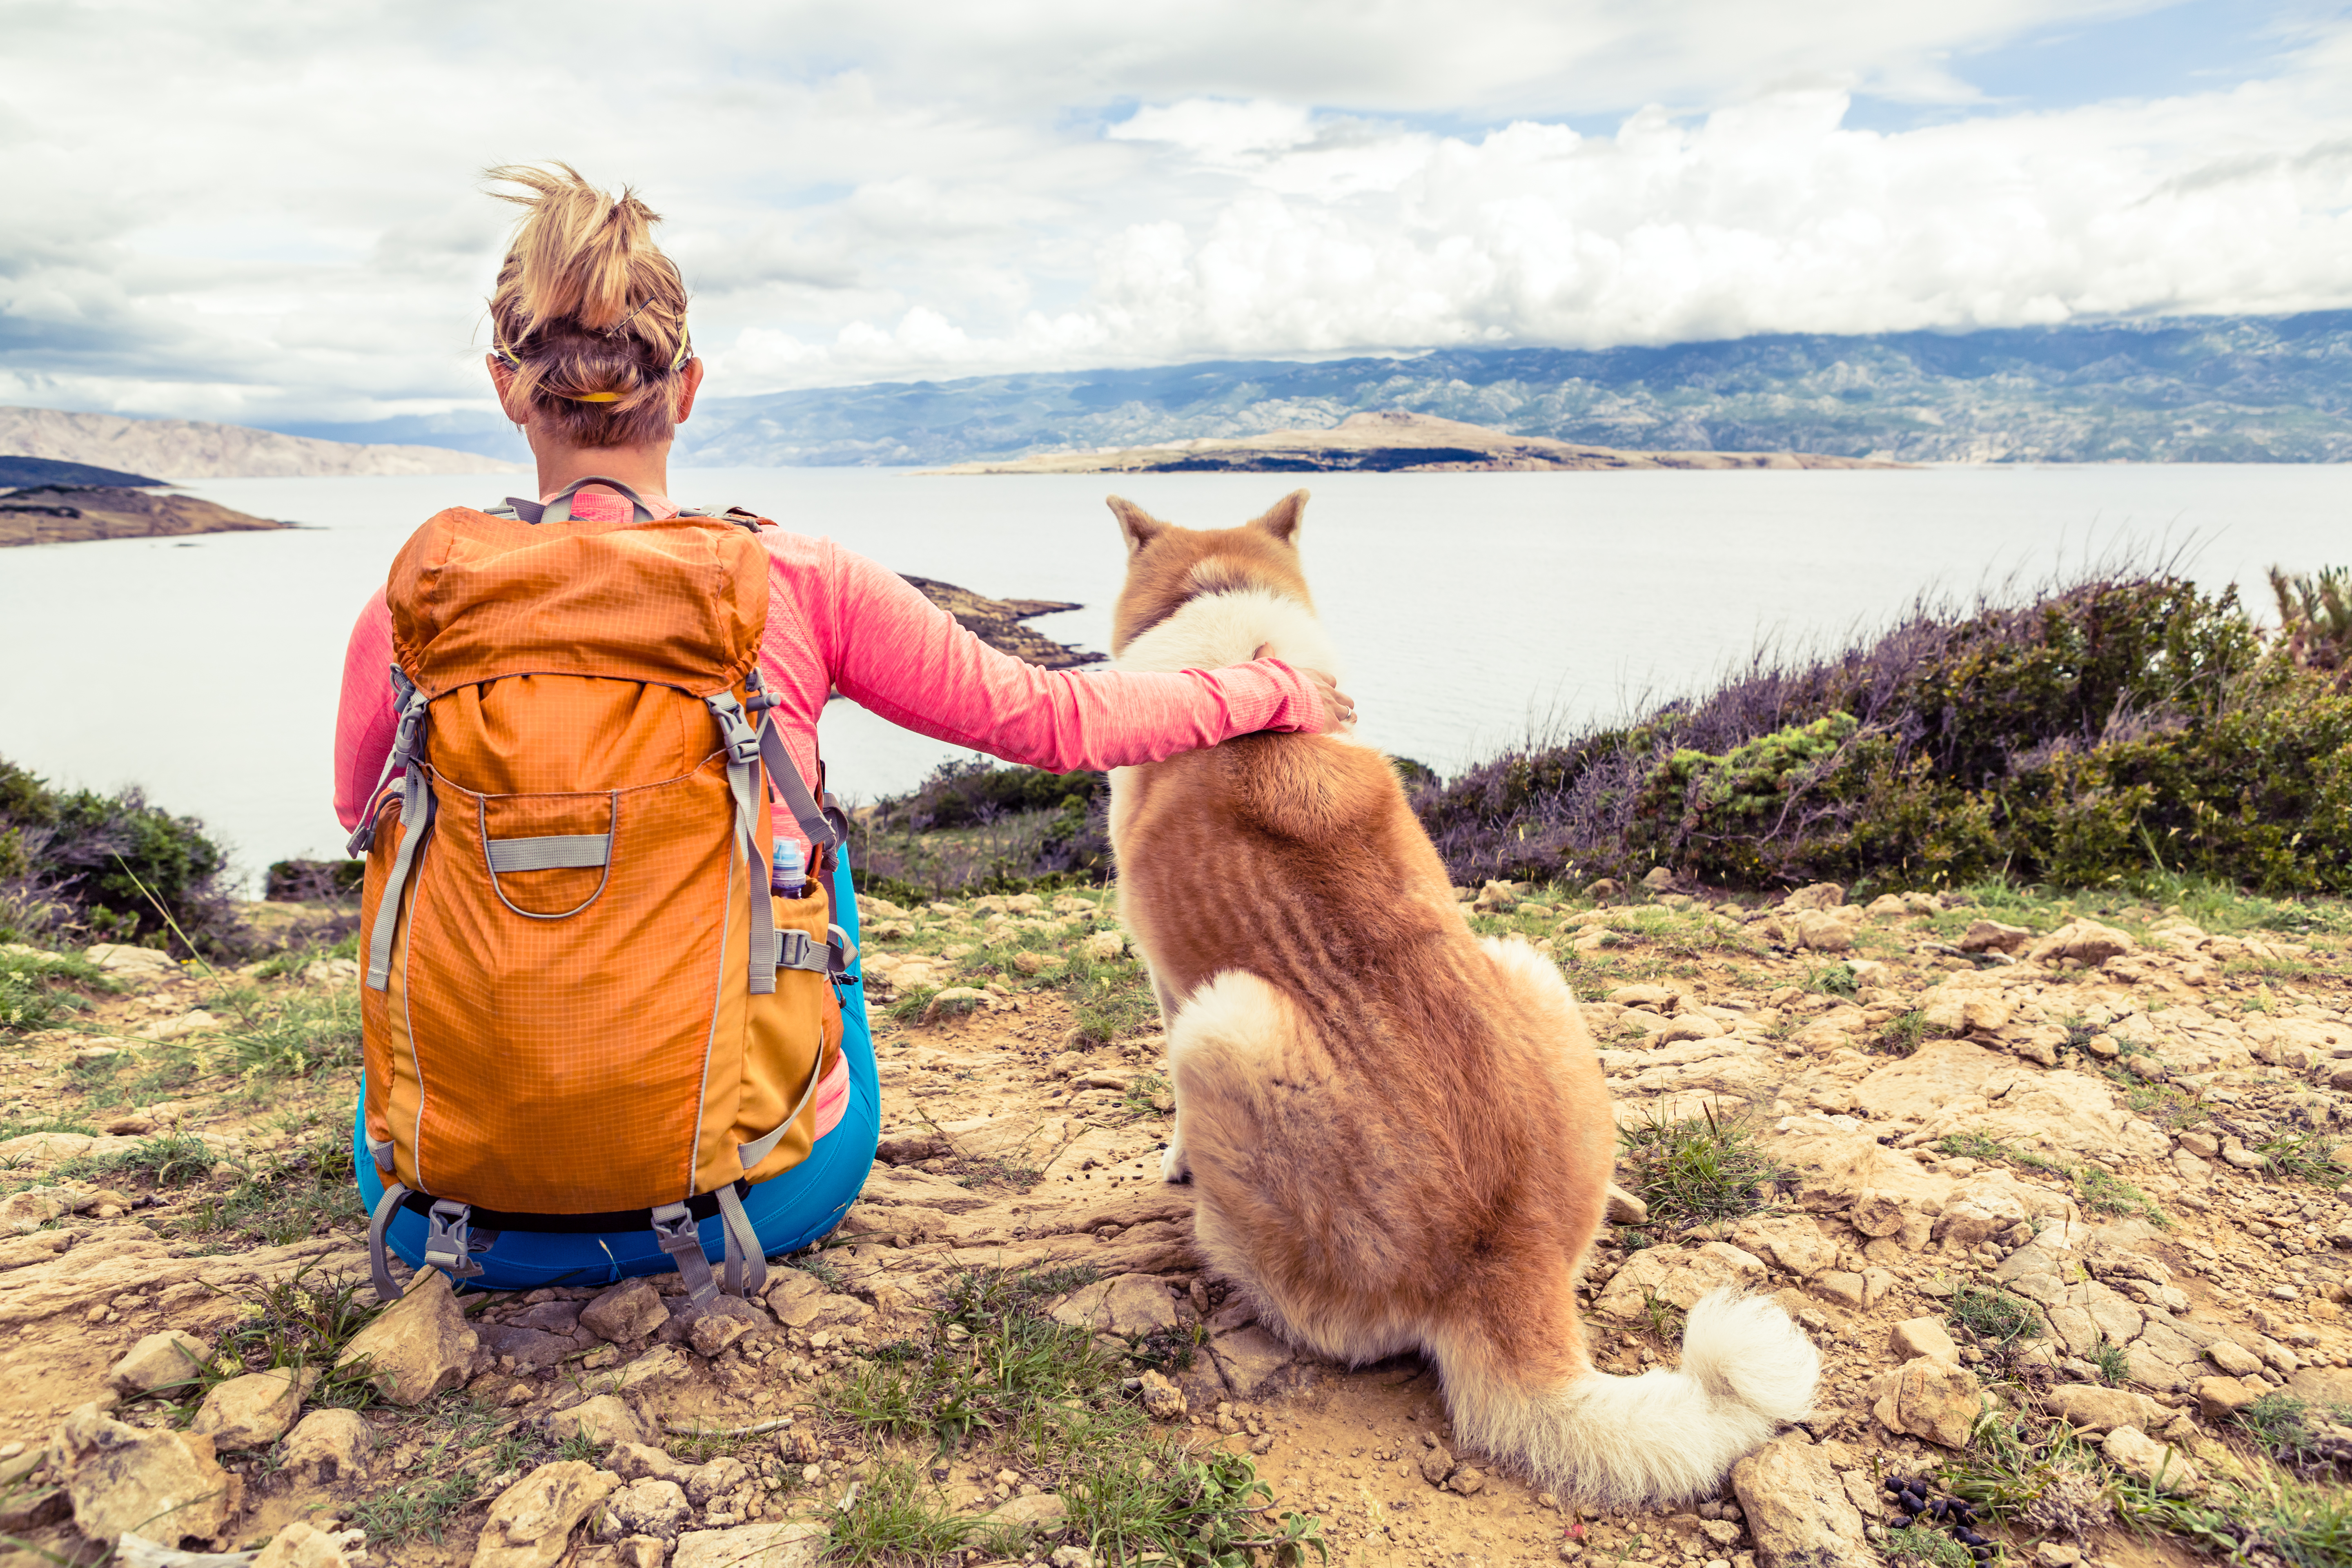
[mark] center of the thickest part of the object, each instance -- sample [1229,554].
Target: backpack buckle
[448,1241]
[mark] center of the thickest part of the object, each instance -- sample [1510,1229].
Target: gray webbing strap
[381,1154]
[786,780]
[798,950]
[560,509]
[379,1261]
[490,859]
[746,1265]
[742,778]
[416,820]
[407,746]
[556,851]
[840,953]
[675,1233]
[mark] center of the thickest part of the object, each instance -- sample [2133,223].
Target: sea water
[1471,609]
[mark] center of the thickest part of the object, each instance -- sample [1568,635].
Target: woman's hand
[1339,708]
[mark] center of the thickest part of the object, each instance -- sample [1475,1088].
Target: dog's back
[1399,1131]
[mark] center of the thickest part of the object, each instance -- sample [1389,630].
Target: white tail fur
[1663,1436]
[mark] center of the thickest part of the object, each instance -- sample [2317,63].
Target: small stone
[2233,1358]
[1624,1208]
[1923,1336]
[1436,1464]
[1991,936]
[651,1507]
[1071,1557]
[160,1485]
[1797,1510]
[530,1522]
[1162,1400]
[255,1410]
[1032,962]
[169,1360]
[953,1003]
[713,1333]
[793,1544]
[418,1346]
[1043,1511]
[303,1546]
[2130,1449]
[2219,1399]
[1467,1481]
[1846,1289]
[1495,898]
[1603,889]
[630,1312]
[607,1420]
[2094,1408]
[1104,945]
[1930,1398]
[328,1446]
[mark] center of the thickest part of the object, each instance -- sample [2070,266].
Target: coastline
[73,515]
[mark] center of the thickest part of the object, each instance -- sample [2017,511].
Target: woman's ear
[502,377]
[686,392]
[1139,527]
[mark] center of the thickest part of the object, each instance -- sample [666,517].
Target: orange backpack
[582,1009]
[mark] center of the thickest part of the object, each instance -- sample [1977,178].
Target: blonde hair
[588,312]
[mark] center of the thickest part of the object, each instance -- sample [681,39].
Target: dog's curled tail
[1661,1438]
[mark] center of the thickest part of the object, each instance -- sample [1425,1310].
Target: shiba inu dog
[1399,1131]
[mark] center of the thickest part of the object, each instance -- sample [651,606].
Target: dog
[1398,1131]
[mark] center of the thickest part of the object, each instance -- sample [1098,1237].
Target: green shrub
[109,860]
[2127,730]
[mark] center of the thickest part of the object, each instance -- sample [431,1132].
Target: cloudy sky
[270,211]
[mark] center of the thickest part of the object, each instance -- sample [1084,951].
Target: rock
[1827,931]
[632,1552]
[530,1522]
[607,1420]
[329,1446]
[663,1366]
[1436,1464]
[1841,1285]
[133,963]
[2233,1358]
[953,1003]
[301,1545]
[1658,879]
[1129,1305]
[800,1300]
[418,1346]
[2094,1408]
[1796,1510]
[1467,1481]
[255,1410]
[1071,1557]
[2086,942]
[1991,936]
[1249,1358]
[1816,896]
[2219,1399]
[1033,962]
[1676,1275]
[796,1543]
[1624,1208]
[160,1360]
[1104,945]
[1915,1337]
[1601,890]
[1931,1399]
[529,1349]
[1793,1243]
[1688,1027]
[1162,1400]
[651,1507]
[2329,1386]
[630,1310]
[161,1485]
[1042,1511]
[713,1332]
[2132,1450]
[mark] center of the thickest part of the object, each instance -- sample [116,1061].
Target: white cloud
[281,223]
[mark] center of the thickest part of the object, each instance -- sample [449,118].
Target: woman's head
[589,317]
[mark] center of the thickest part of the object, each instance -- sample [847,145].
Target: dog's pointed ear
[1139,525]
[1281,519]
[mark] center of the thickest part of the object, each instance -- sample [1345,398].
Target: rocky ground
[2053,1186]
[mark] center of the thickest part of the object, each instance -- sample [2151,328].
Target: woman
[592,359]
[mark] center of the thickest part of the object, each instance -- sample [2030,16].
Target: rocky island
[1390,440]
[997,622]
[63,514]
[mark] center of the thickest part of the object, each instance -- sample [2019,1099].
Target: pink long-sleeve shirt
[838,620]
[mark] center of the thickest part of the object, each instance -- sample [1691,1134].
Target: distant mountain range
[192,449]
[2180,389]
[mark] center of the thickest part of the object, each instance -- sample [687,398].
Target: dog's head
[1167,566]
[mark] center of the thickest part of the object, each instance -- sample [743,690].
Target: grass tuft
[1698,1171]
[1994,1318]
